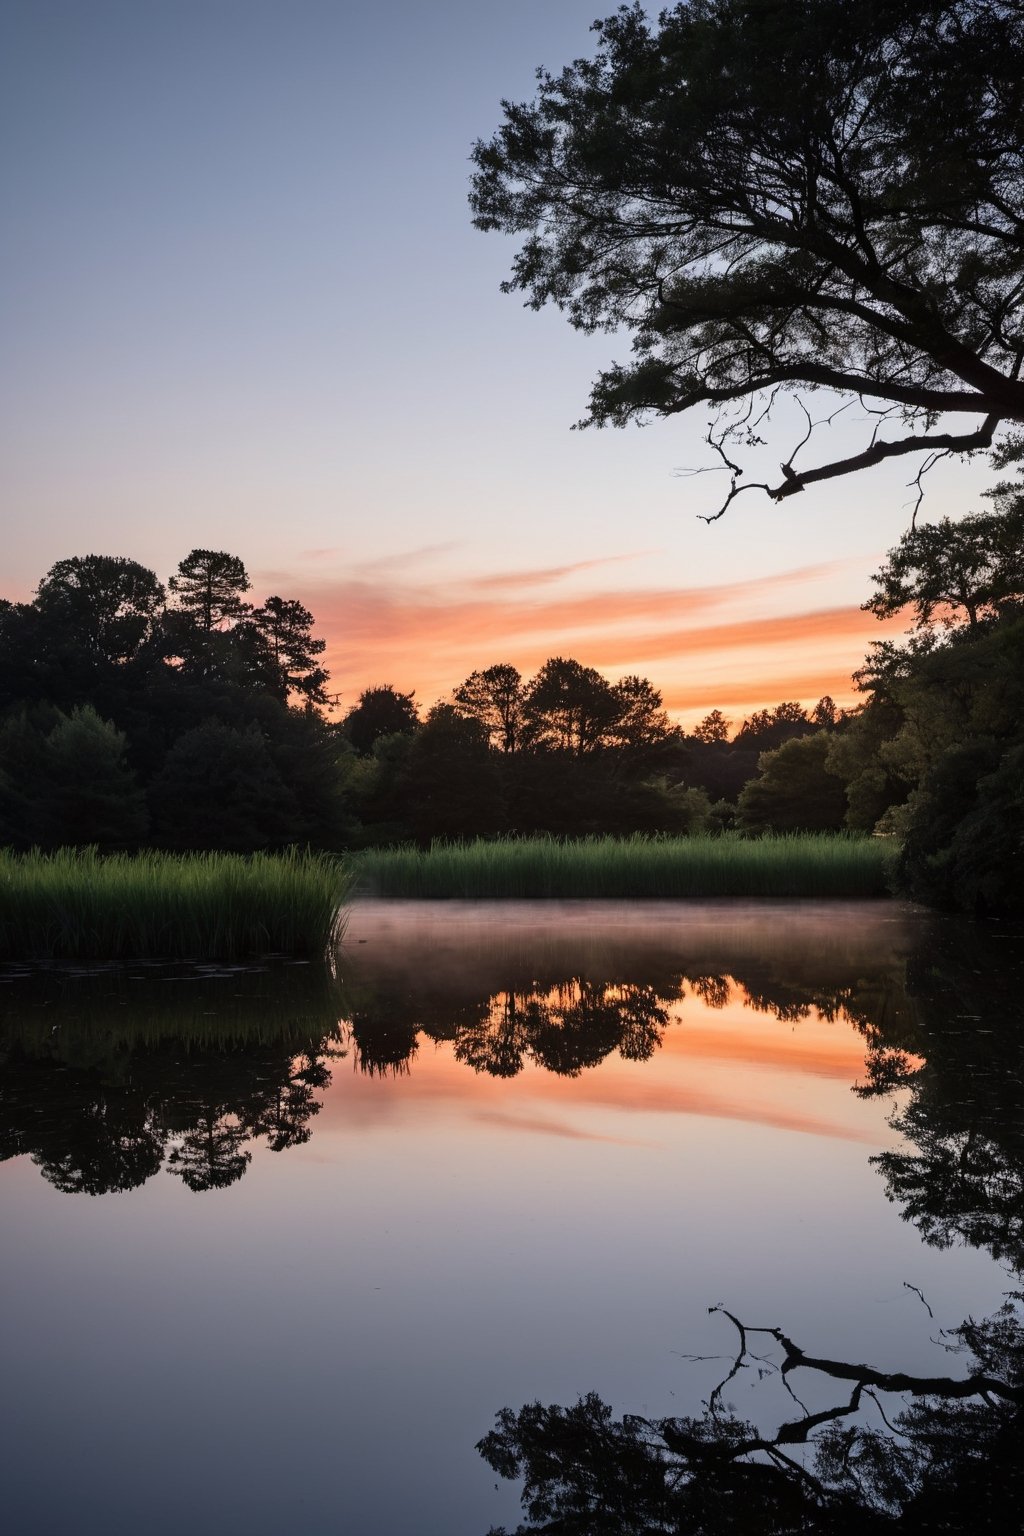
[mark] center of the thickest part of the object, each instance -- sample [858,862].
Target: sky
[244,308]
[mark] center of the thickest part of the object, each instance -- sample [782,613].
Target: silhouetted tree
[642,722]
[947,1459]
[956,572]
[380,711]
[942,733]
[106,605]
[571,708]
[67,781]
[714,727]
[760,193]
[285,627]
[794,791]
[450,783]
[497,698]
[208,587]
[825,713]
[769,728]
[219,788]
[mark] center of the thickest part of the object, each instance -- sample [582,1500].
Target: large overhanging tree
[784,195]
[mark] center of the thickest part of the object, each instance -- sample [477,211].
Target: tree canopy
[961,572]
[780,195]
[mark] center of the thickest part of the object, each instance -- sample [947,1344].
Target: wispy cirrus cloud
[551,573]
[731,645]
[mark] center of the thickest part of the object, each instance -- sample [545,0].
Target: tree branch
[941,442]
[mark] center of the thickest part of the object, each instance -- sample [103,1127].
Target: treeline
[181,715]
[187,716]
[568,753]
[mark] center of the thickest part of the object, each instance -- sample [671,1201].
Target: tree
[768,728]
[107,605]
[571,708]
[219,788]
[450,785]
[714,727]
[946,1460]
[762,194]
[794,791]
[209,586]
[284,625]
[642,721]
[67,781]
[497,699]
[825,713]
[956,572]
[380,711]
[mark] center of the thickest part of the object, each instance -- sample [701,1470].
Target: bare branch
[918,1292]
[947,442]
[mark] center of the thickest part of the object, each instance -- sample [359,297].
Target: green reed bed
[76,904]
[797,865]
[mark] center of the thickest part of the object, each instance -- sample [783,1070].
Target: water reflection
[109,1077]
[431,1194]
[890,1452]
[960,1175]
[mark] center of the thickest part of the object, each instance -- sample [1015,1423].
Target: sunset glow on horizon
[266,326]
[426,637]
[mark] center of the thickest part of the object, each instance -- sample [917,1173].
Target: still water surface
[278,1247]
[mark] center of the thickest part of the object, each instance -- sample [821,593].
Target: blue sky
[244,308]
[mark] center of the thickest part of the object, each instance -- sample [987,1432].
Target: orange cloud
[548,573]
[427,634]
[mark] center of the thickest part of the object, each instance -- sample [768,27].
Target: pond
[279,1246]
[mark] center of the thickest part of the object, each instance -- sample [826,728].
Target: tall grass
[76,904]
[796,865]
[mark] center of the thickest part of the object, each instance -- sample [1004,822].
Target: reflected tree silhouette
[385,1041]
[103,1109]
[895,1453]
[960,1176]
[212,1155]
[713,991]
[575,1026]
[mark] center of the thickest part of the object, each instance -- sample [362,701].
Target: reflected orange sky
[728,1063]
[443,961]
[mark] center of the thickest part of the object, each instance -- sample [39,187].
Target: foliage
[219,789]
[79,905]
[967,570]
[98,647]
[450,782]
[496,698]
[110,605]
[947,1459]
[936,752]
[794,791]
[757,192]
[208,587]
[638,866]
[184,1074]
[378,712]
[284,627]
[571,708]
[964,832]
[768,728]
[714,727]
[65,779]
